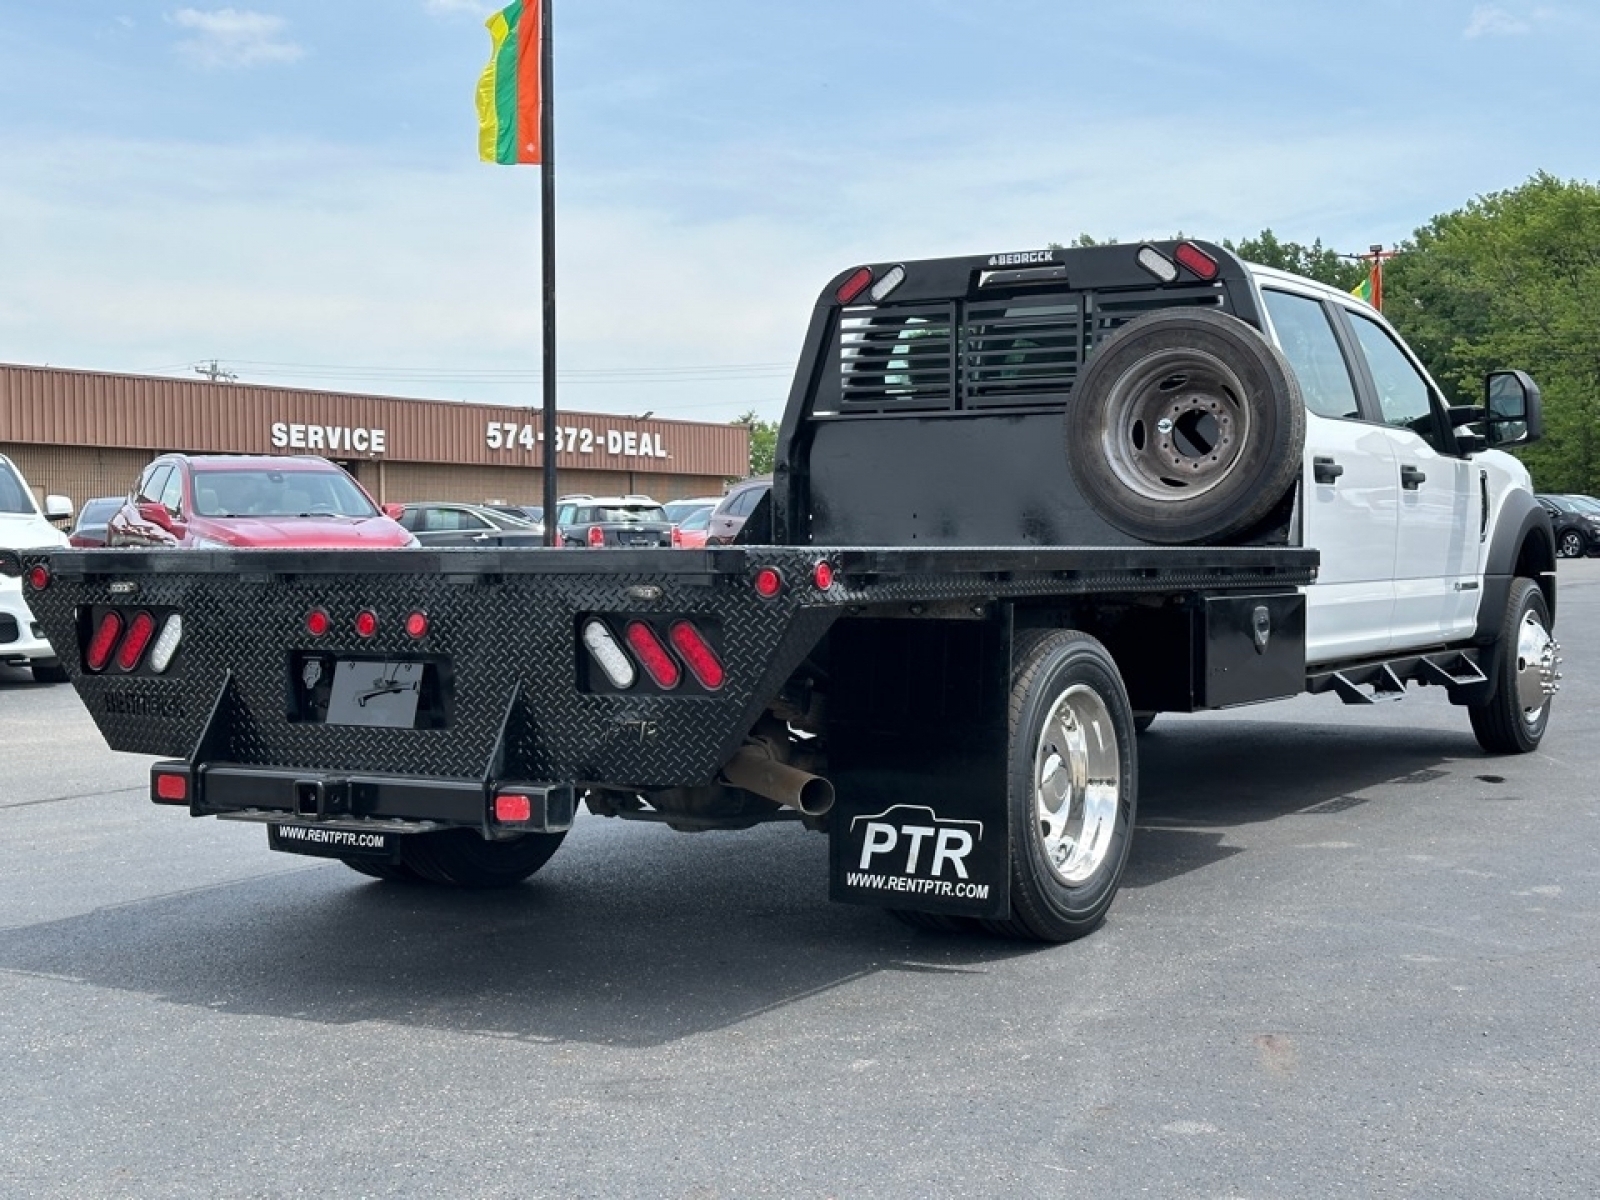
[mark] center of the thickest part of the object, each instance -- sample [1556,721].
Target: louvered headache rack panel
[1020,351]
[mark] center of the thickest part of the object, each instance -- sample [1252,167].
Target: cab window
[1307,339]
[153,484]
[1404,397]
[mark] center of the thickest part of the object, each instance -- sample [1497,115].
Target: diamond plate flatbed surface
[507,620]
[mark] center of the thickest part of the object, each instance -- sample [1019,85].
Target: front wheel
[1513,720]
[1570,545]
[1071,785]
[464,858]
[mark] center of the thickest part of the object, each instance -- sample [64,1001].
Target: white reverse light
[612,659]
[167,644]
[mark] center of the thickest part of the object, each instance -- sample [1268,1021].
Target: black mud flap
[917,756]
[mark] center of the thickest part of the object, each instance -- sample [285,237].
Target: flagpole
[547,257]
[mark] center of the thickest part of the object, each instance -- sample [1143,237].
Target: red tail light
[647,648]
[169,784]
[597,536]
[697,652]
[366,623]
[822,575]
[39,578]
[317,622]
[1196,259]
[417,625]
[511,809]
[677,539]
[140,630]
[104,641]
[855,285]
[768,582]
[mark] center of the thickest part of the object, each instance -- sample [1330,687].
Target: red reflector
[512,810]
[39,578]
[647,647]
[855,285]
[140,630]
[366,623]
[822,575]
[417,625]
[317,622]
[597,536]
[172,789]
[769,582]
[1197,260]
[697,652]
[104,641]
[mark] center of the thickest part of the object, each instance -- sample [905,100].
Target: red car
[690,533]
[226,501]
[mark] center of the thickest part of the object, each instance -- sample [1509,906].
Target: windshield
[678,510]
[700,518]
[14,494]
[630,514]
[267,493]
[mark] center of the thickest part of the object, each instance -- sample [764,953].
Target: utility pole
[215,372]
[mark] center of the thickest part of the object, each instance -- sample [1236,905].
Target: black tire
[389,872]
[463,858]
[1069,720]
[1185,427]
[1513,720]
[1570,545]
[49,670]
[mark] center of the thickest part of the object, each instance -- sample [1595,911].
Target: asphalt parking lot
[1354,956]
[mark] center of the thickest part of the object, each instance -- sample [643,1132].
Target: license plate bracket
[371,691]
[334,843]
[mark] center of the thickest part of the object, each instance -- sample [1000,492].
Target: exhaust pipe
[755,769]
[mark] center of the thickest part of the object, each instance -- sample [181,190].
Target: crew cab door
[1440,502]
[1350,509]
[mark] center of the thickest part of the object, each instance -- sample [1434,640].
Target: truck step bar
[1386,679]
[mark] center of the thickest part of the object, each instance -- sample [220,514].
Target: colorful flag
[1370,289]
[508,89]
[1363,290]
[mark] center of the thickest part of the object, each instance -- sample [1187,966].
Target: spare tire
[1185,427]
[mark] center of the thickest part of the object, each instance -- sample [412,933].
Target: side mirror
[57,508]
[394,511]
[156,514]
[1514,411]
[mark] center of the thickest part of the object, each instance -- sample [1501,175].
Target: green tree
[1314,261]
[763,441]
[1513,280]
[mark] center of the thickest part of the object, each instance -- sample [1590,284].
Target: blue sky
[291,187]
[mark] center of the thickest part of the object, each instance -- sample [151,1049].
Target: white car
[24,527]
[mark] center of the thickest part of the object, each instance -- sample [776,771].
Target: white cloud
[1491,21]
[230,37]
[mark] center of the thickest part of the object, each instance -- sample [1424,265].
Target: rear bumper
[364,802]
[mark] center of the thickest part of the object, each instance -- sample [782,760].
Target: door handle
[1325,470]
[1411,477]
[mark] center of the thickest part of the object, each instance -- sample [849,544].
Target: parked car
[90,530]
[447,523]
[236,501]
[1576,520]
[613,521]
[24,526]
[690,533]
[677,510]
[734,509]
[532,513]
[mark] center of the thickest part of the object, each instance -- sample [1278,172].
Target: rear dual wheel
[463,858]
[1071,786]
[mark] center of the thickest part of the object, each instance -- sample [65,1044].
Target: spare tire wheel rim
[1176,425]
[1076,785]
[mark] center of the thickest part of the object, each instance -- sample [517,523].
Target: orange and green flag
[1370,289]
[508,89]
